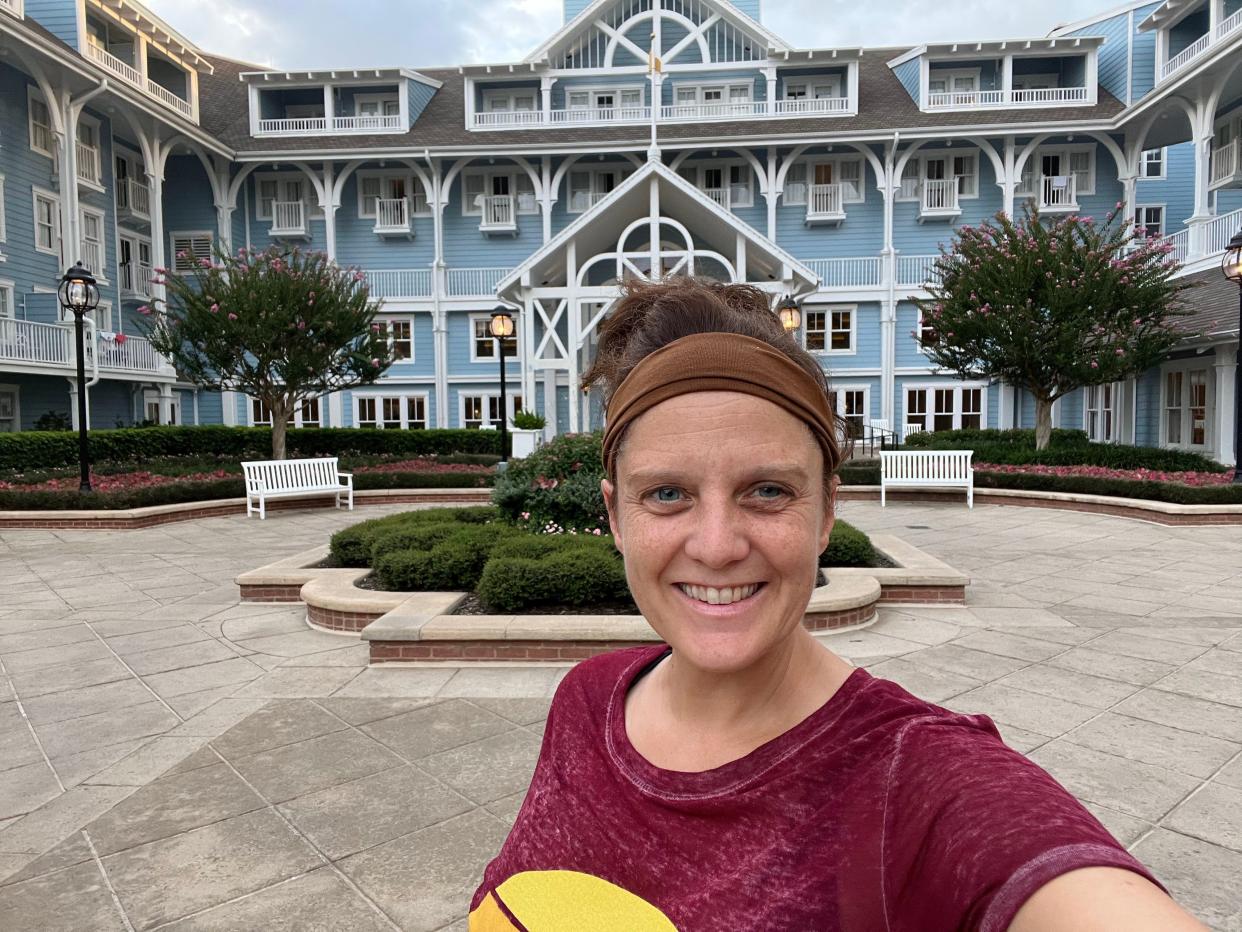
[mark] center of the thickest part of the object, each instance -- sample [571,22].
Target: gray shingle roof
[1214,306]
[884,106]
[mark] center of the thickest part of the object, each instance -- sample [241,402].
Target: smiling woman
[741,775]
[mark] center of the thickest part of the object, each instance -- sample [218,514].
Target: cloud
[424,33]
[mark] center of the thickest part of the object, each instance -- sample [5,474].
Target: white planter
[525,442]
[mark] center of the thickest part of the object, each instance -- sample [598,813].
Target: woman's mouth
[723,598]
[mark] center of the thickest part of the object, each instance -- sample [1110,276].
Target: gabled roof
[280,76]
[1167,13]
[996,46]
[585,20]
[714,227]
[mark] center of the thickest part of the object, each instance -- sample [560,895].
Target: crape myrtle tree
[1051,307]
[280,326]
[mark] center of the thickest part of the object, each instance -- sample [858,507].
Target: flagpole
[653,72]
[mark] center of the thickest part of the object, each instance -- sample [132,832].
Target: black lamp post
[790,314]
[79,293]
[501,327]
[1231,265]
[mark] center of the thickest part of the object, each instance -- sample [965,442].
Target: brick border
[331,620]
[897,595]
[253,593]
[138,518]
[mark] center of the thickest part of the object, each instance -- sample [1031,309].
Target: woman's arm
[1102,899]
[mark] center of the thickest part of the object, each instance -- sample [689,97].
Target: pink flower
[1120,352]
[360,277]
[215,309]
[375,363]
[232,316]
[1094,364]
[205,263]
[301,325]
[144,310]
[597,532]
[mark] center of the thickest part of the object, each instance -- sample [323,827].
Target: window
[151,407]
[390,186]
[1044,163]
[813,88]
[588,187]
[728,184]
[795,185]
[1151,164]
[604,103]
[400,338]
[483,344]
[510,100]
[910,175]
[134,259]
[6,299]
[852,408]
[188,249]
[479,184]
[1100,413]
[376,105]
[830,329]
[391,412]
[306,414]
[272,188]
[1149,220]
[1186,407]
[847,172]
[484,409]
[966,171]
[9,420]
[963,81]
[92,251]
[40,124]
[47,222]
[713,99]
[945,407]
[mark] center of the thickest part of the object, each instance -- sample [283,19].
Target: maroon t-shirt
[878,812]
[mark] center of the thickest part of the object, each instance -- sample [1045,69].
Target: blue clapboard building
[829,174]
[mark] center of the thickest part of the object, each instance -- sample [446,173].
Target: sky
[324,34]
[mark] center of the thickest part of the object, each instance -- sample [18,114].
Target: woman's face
[720,499]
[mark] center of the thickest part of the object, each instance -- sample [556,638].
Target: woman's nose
[718,536]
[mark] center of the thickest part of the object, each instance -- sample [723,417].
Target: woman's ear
[609,492]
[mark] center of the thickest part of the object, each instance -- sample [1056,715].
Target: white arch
[619,35]
[747,156]
[900,165]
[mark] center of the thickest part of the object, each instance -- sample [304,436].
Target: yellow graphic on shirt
[566,901]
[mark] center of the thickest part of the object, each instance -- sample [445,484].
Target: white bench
[924,469]
[294,478]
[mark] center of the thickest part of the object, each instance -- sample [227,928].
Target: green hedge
[352,546]
[44,449]
[558,483]
[848,546]
[561,569]
[1171,492]
[176,493]
[453,562]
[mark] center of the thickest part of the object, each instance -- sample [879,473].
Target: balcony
[675,113]
[289,219]
[50,346]
[730,196]
[407,284]
[319,126]
[499,213]
[1016,97]
[1058,193]
[12,6]
[133,198]
[1209,40]
[847,273]
[89,169]
[136,280]
[938,199]
[131,75]
[825,204]
[1226,167]
[392,216]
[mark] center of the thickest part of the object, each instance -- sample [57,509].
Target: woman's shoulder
[593,681]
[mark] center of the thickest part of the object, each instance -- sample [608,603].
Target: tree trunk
[280,417]
[1043,422]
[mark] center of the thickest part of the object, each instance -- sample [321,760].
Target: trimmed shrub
[450,563]
[558,484]
[860,473]
[962,439]
[44,449]
[552,569]
[848,546]
[351,546]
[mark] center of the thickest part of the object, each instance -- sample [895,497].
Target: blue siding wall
[1113,53]
[357,243]
[460,340]
[866,353]
[420,95]
[465,246]
[908,74]
[1147,413]
[1143,45]
[751,8]
[59,17]
[1176,191]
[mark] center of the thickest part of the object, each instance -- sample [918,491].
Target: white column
[159,251]
[165,403]
[224,227]
[574,331]
[1007,76]
[1129,187]
[545,98]
[336,410]
[547,197]
[329,110]
[330,204]
[1004,412]
[1008,183]
[1202,214]
[773,193]
[1226,402]
[228,408]
[888,307]
[549,404]
[73,403]
[769,80]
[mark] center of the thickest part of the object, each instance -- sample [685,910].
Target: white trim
[37,193]
[517,338]
[33,94]
[97,213]
[8,309]
[827,310]
[958,387]
[1113,409]
[838,388]
[511,396]
[388,320]
[1204,364]
[1164,219]
[17,405]
[1164,164]
[3,215]
[379,396]
[283,178]
[298,416]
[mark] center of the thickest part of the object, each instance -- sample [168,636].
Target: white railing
[1058,192]
[492,118]
[288,218]
[12,6]
[367,123]
[940,196]
[1185,56]
[392,215]
[398,283]
[847,272]
[1180,241]
[916,271]
[89,169]
[1229,24]
[499,212]
[134,354]
[293,126]
[810,105]
[585,200]
[741,108]
[728,196]
[943,99]
[471,283]
[27,341]
[160,92]
[91,254]
[825,201]
[100,55]
[134,196]
[1224,163]
[1219,230]
[1048,95]
[136,279]
[638,114]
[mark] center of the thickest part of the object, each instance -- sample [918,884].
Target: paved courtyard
[170,758]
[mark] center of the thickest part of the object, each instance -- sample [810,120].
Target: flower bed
[1103,472]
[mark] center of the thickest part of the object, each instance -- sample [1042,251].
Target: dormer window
[376,105]
[509,101]
[813,88]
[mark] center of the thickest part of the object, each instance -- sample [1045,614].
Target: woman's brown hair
[650,315]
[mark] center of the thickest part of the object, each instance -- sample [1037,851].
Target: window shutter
[195,246]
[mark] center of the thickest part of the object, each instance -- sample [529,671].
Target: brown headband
[719,362]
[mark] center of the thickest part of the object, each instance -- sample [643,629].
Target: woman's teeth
[719,596]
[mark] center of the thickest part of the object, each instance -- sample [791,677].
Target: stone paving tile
[148,761]
[518,711]
[175,636]
[350,817]
[436,728]
[928,683]
[507,807]
[293,682]
[190,704]
[208,676]
[1125,828]
[103,728]
[27,661]
[1093,691]
[356,655]
[1142,790]
[314,901]
[293,770]
[963,661]
[71,900]
[43,828]
[73,676]
[62,706]
[1185,712]
[417,682]
[1213,813]
[276,725]
[1176,749]
[1222,688]
[1231,773]
[1201,875]
[1043,715]
[217,718]
[425,880]
[294,643]
[11,644]
[1008,644]
[1088,660]
[171,805]
[132,624]
[497,681]
[364,711]
[17,744]
[73,850]
[1145,647]
[179,656]
[79,768]
[25,788]
[1184,634]
[910,628]
[173,877]
[488,769]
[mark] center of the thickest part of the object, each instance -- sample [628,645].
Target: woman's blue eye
[772,488]
[667,488]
